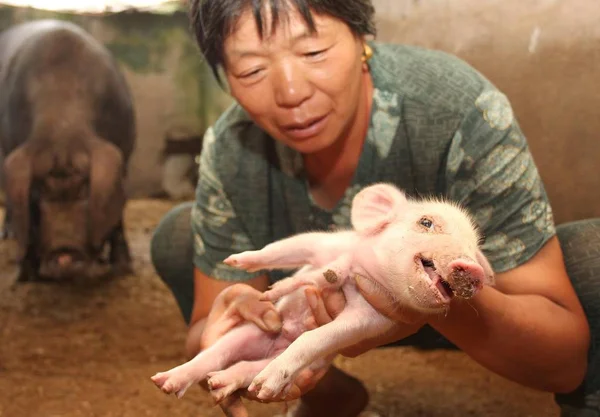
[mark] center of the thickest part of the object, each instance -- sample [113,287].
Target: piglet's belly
[253,343]
[296,317]
[295,314]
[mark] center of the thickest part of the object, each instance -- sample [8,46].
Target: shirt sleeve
[491,171]
[216,229]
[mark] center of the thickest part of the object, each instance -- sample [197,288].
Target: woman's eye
[250,74]
[314,54]
[426,222]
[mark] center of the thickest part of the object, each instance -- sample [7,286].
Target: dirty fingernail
[272,321]
[364,285]
[311,297]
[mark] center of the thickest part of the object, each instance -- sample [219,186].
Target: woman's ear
[367,52]
[376,206]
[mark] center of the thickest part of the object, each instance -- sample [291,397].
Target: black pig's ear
[17,181]
[107,192]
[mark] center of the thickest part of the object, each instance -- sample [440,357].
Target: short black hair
[213,20]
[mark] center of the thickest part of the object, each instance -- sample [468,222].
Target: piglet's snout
[465,277]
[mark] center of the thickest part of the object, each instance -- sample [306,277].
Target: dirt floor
[78,351]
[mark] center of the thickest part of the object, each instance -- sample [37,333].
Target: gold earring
[367,54]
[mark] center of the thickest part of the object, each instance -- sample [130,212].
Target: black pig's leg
[6,229]
[29,266]
[120,257]
[28,270]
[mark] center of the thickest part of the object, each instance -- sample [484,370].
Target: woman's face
[303,89]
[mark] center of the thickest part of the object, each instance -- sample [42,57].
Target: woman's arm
[531,328]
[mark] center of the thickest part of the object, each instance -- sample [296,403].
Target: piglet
[422,252]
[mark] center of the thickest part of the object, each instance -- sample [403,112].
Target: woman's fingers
[262,313]
[237,304]
[317,306]
[383,301]
[308,378]
[232,406]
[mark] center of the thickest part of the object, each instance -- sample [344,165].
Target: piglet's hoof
[169,383]
[245,260]
[222,385]
[269,385]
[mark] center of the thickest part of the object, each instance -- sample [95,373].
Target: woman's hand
[240,303]
[384,302]
[234,305]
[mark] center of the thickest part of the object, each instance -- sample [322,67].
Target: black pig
[67,130]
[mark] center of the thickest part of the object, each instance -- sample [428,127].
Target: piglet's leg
[244,342]
[224,383]
[315,248]
[358,321]
[332,275]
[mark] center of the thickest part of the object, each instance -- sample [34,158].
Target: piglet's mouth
[437,282]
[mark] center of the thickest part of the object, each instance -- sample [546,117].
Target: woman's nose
[291,85]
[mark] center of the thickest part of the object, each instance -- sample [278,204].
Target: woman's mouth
[306,128]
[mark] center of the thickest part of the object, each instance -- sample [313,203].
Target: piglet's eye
[426,222]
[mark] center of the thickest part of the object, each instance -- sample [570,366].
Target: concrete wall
[544,54]
[172,87]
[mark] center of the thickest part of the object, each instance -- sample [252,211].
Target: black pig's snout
[64,263]
[65,257]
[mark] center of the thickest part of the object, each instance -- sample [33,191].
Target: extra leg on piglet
[224,383]
[331,275]
[316,248]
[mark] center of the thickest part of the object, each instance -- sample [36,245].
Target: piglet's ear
[376,206]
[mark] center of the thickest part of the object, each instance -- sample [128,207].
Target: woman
[321,113]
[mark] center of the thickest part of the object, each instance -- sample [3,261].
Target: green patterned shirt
[438,127]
